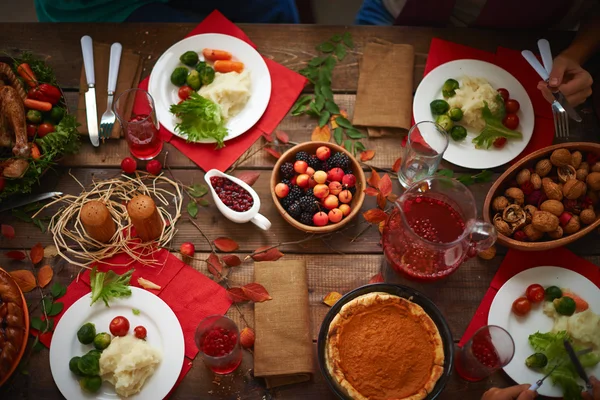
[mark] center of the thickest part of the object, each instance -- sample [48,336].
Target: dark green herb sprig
[24,212]
[196,193]
[466,179]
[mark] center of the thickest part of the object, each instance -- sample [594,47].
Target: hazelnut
[572,226]
[544,221]
[587,216]
[595,167]
[543,167]
[593,180]
[536,181]
[557,234]
[488,254]
[553,206]
[551,189]
[576,159]
[560,157]
[581,174]
[584,165]
[500,203]
[565,173]
[532,233]
[574,189]
[515,195]
[523,176]
[529,210]
[501,226]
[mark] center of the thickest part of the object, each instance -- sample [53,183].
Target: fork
[108,118]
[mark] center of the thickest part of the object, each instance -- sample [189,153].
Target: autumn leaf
[321,134]
[381,226]
[249,177]
[225,244]
[282,136]
[385,185]
[268,137]
[374,179]
[37,253]
[269,255]
[331,298]
[231,261]
[45,275]
[367,155]
[376,278]
[256,292]
[237,295]
[273,152]
[371,191]
[375,215]
[16,255]
[214,265]
[381,201]
[396,166]
[333,121]
[24,279]
[7,231]
[392,197]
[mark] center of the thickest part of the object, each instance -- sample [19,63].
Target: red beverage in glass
[143,137]
[217,338]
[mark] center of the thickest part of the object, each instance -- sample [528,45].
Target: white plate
[464,153]
[165,93]
[521,327]
[164,333]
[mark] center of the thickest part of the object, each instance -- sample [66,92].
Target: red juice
[221,344]
[477,361]
[143,137]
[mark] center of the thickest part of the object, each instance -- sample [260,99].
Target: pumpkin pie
[380,347]
[12,324]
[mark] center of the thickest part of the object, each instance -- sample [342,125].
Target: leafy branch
[466,179]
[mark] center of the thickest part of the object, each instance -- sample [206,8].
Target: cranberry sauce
[433,220]
[231,194]
[219,342]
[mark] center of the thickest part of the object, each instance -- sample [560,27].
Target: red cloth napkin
[286,87]
[517,261]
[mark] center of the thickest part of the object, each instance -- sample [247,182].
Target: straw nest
[78,248]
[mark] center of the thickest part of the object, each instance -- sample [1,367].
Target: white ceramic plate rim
[164,333]
[464,153]
[521,327]
[165,93]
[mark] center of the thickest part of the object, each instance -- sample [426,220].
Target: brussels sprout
[86,333]
[179,76]
[193,80]
[90,383]
[34,116]
[449,88]
[207,75]
[94,353]
[564,306]
[455,114]
[189,58]
[553,292]
[89,365]
[536,360]
[57,114]
[73,366]
[445,122]
[102,340]
[458,133]
[201,65]
[439,107]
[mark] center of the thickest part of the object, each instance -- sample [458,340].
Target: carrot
[35,151]
[580,304]
[228,66]
[37,105]
[24,70]
[212,55]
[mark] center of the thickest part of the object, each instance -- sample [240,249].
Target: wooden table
[336,264]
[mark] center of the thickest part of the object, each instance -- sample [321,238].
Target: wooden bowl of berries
[548,199]
[318,187]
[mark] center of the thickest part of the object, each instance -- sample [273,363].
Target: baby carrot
[37,105]
[228,66]
[212,54]
[580,304]
[24,70]
[35,151]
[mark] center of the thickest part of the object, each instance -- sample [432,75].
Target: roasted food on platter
[13,131]
[381,346]
[12,324]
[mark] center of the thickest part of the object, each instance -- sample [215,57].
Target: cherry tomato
[511,121]
[128,165]
[154,167]
[45,129]
[31,130]
[512,106]
[184,92]
[499,143]
[140,332]
[504,93]
[521,306]
[119,326]
[2,183]
[535,293]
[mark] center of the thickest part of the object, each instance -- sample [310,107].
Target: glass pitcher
[433,229]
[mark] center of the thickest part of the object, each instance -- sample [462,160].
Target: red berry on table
[128,165]
[500,142]
[187,249]
[511,121]
[320,219]
[282,190]
[154,167]
[323,153]
[504,93]
[140,332]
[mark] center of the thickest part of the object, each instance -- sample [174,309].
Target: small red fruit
[345,209]
[335,188]
[320,219]
[293,180]
[128,165]
[310,171]
[154,167]
[187,249]
[345,196]
[303,180]
[140,332]
[184,92]
[520,236]
[504,93]
[499,142]
[335,175]
[349,180]
[45,129]
[521,306]
[330,202]
[512,106]
[535,293]
[31,130]
[247,338]
[282,190]
[321,191]
[564,218]
[311,182]
[119,326]
[511,121]
[300,166]
[320,176]
[335,215]
[323,153]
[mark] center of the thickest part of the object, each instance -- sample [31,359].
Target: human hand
[596,389]
[574,82]
[519,392]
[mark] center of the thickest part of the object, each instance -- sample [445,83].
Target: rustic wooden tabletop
[339,263]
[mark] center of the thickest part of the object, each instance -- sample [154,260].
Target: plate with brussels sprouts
[210,88]
[485,110]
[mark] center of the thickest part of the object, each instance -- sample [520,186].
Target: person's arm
[587,41]
[519,392]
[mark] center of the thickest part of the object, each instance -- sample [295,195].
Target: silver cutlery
[108,118]
[23,201]
[87,48]
[578,367]
[539,382]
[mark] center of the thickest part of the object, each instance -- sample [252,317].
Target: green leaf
[135,311]
[58,290]
[343,122]
[324,118]
[324,77]
[332,107]
[56,309]
[310,73]
[315,62]
[336,38]
[312,110]
[337,135]
[319,103]
[192,209]
[466,180]
[326,92]
[38,222]
[37,324]
[20,214]
[348,145]
[198,190]
[359,146]
[38,346]
[483,176]
[47,303]
[326,47]
[329,64]
[347,38]
[354,133]
[445,172]
[303,100]
[32,207]
[203,202]
[340,51]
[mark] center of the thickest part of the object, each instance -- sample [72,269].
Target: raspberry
[287,170]
[302,156]
[306,218]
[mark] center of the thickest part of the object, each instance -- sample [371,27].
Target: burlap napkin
[385,86]
[283,351]
[130,72]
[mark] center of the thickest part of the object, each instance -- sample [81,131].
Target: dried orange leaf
[7,231]
[321,134]
[237,295]
[392,197]
[50,251]
[256,292]
[45,275]
[376,278]
[381,226]
[16,255]
[214,265]
[396,166]
[268,137]
[381,201]
[249,177]
[333,121]
[375,215]
[37,253]
[331,298]
[24,279]
[371,191]
[225,244]
[146,284]
[230,260]
[269,255]
[385,185]
[374,179]
[282,136]
[273,152]
[367,155]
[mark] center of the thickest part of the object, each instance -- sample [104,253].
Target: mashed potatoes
[470,97]
[583,327]
[231,91]
[127,363]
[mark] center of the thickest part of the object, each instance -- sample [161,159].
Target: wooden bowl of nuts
[548,199]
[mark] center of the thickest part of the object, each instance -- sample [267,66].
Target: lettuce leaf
[200,119]
[494,128]
[106,285]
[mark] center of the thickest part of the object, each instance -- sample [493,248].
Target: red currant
[128,165]
[154,167]
[500,142]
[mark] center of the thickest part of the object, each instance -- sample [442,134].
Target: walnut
[557,234]
[593,180]
[593,196]
[587,216]
[543,167]
[595,167]
[488,254]
[523,176]
[529,210]
[585,165]
[560,157]
[500,203]
[553,206]
[565,173]
[501,226]
[551,189]
[574,189]
[544,221]
[572,226]
[515,195]
[581,174]
[536,181]
[514,216]
[532,233]
[576,158]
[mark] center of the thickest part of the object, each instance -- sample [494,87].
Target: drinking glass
[425,146]
[137,115]
[217,334]
[490,349]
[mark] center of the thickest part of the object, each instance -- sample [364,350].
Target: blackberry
[285,203]
[326,166]
[295,194]
[306,218]
[352,190]
[295,209]
[315,163]
[287,182]
[310,192]
[348,171]
[309,204]
[302,156]
[339,160]
[287,170]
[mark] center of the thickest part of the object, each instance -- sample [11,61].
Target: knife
[578,367]
[22,201]
[87,49]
